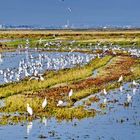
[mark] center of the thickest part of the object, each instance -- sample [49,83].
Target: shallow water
[115,122]
[6,40]
[19,64]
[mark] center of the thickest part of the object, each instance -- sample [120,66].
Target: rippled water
[115,122]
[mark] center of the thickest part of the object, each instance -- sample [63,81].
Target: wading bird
[104,91]
[105,100]
[29,110]
[60,102]
[70,93]
[134,91]
[134,83]
[120,79]
[129,98]
[44,103]
[121,88]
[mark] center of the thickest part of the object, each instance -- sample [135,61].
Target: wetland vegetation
[108,63]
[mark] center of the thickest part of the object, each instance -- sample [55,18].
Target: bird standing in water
[134,83]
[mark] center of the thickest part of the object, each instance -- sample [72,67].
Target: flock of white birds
[120,80]
[60,102]
[44,103]
[33,66]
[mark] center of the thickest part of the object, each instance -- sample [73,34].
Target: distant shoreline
[77,29]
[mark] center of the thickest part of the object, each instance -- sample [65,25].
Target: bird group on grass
[44,103]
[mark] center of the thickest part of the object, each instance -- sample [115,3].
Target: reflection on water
[115,122]
[29,127]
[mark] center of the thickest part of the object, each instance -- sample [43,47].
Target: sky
[75,12]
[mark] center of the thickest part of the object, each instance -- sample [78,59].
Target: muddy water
[114,122]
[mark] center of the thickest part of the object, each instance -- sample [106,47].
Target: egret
[104,91]
[44,103]
[1,72]
[121,88]
[33,78]
[29,110]
[70,93]
[98,55]
[41,78]
[105,100]
[60,102]
[120,79]
[129,98]
[134,91]
[134,83]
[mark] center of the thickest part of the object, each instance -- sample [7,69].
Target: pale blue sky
[84,12]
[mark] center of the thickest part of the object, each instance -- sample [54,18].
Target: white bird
[104,91]
[41,78]
[134,91]
[120,79]
[129,98]
[134,83]
[69,9]
[70,93]
[60,102]
[1,72]
[1,60]
[29,110]
[98,55]
[121,88]
[44,103]
[33,78]
[105,100]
